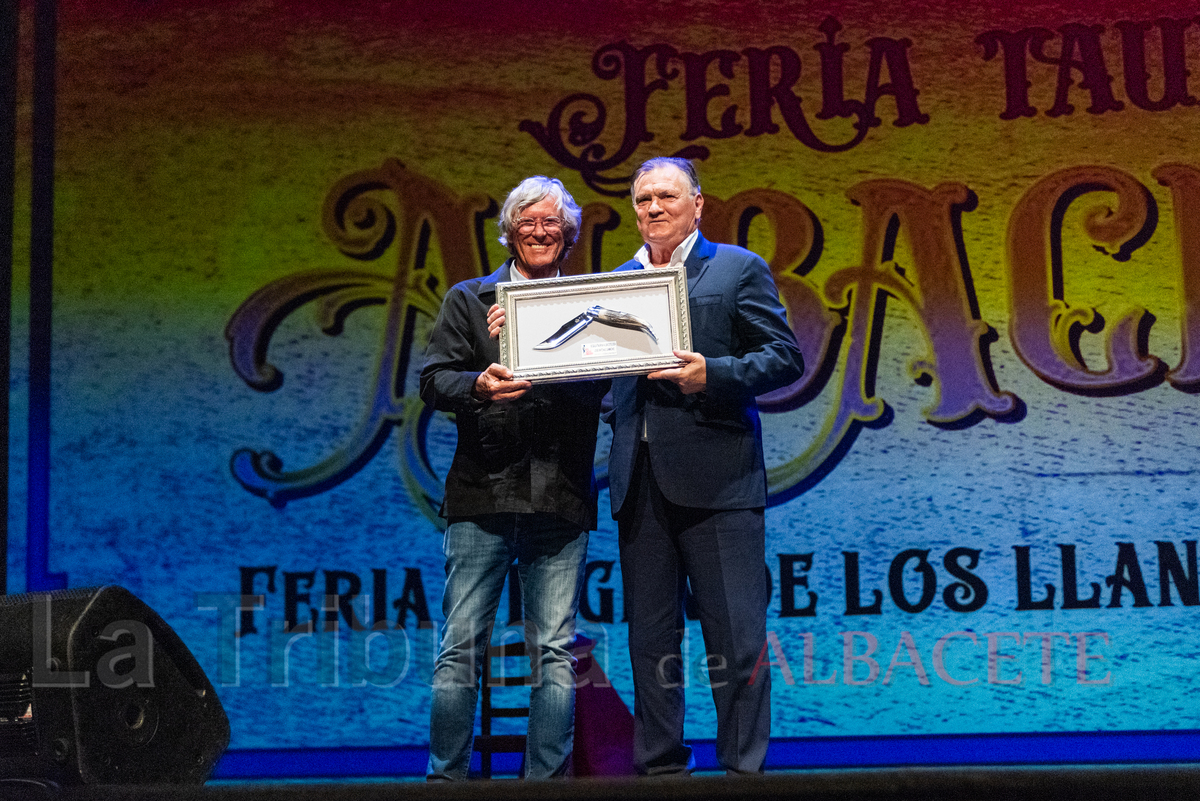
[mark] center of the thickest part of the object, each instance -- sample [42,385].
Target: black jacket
[534,454]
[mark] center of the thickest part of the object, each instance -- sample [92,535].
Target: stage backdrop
[983,222]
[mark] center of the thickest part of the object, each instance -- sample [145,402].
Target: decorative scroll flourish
[589,117]
[1184,183]
[425,488]
[364,225]
[937,290]
[254,323]
[1046,326]
[798,241]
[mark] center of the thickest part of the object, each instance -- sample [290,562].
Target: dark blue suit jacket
[706,449]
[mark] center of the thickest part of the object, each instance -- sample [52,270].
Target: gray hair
[533,190]
[683,165]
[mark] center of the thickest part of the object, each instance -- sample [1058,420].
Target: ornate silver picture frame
[594,326]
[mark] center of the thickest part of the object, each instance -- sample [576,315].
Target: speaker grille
[75,594]
[17,731]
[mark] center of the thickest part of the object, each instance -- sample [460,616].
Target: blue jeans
[550,556]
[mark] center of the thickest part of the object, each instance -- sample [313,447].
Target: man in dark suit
[688,483]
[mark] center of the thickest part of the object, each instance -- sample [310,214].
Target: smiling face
[667,211]
[537,250]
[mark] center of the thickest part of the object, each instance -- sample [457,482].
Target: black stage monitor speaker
[95,688]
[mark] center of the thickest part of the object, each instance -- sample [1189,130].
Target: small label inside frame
[592,350]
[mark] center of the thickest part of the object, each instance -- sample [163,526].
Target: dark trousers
[664,547]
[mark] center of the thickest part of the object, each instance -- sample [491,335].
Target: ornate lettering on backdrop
[1046,322]
[838,324]
[908,584]
[771,75]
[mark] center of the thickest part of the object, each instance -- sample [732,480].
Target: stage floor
[1084,783]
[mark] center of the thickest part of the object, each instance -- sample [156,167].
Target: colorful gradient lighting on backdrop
[982,221]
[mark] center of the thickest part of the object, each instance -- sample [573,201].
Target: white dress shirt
[678,257]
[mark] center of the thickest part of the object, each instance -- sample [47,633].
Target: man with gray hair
[521,488]
[688,483]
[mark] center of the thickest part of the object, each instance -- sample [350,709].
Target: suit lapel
[697,262]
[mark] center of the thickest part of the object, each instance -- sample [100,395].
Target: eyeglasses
[550,225]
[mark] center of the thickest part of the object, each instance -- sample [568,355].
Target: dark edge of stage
[928,784]
[1033,749]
